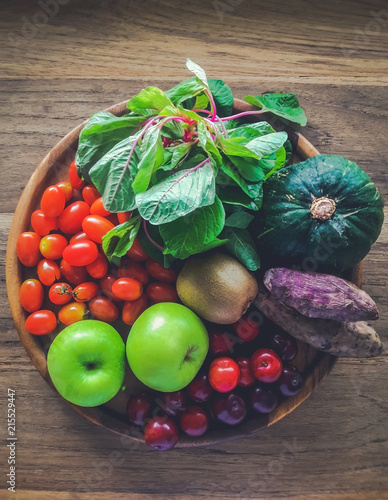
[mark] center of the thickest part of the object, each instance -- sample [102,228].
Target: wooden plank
[293,39]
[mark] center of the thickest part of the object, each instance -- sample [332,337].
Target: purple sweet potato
[351,339]
[318,295]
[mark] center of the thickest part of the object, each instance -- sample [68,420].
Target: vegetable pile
[190,171]
[151,196]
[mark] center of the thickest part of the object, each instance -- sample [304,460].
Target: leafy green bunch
[189,170]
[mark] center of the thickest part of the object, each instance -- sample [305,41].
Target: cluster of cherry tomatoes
[73,276]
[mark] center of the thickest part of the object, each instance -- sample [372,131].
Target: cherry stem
[149,237]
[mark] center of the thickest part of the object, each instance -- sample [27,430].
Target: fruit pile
[227,376]
[71,274]
[240,379]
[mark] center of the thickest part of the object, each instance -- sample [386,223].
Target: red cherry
[229,408]
[161,433]
[172,403]
[266,365]
[224,374]
[284,345]
[194,421]
[221,343]
[263,400]
[139,408]
[246,377]
[199,389]
[247,328]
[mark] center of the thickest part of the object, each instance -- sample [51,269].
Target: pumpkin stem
[322,208]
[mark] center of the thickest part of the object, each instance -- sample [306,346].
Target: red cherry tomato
[127,289]
[96,227]
[103,309]
[48,271]
[72,312]
[75,181]
[53,201]
[123,217]
[31,295]
[60,293]
[27,248]
[42,224]
[81,236]
[80,253]
[67,189]
[99,267]
[98,208]
[52,246]
[159,272]
[224,374]
[132,269]
[73,274]
[136,251]
[41,322]
[70,220]
[132,309]
[90,194]
[161,292]
[85,291]
[106,286]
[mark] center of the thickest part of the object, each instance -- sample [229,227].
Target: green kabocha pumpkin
[322,213]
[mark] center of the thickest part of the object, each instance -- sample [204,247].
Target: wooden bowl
[314,365]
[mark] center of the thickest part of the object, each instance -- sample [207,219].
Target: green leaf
[119,240]
[249,168]
[185,90]
[242,246]
[206,142]
[113,177]
[103,131]
[198,71]
[232,196]
[267,144]
[201,101]
[223,97]
[283,105]
[179,152]
[149,99]
[233,147]
[253,190]
[151,154]
[152,248]
[178,195]
[274,162]
[240,219]
[196,232]
[251,130]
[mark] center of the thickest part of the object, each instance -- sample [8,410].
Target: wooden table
[61,61]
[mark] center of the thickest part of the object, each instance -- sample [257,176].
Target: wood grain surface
[58,67]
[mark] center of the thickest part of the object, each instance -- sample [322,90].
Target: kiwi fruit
[217,287]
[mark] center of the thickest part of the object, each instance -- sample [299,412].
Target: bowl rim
[102,416]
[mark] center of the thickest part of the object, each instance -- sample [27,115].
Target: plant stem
[239,115]
[212,105]
[149,237]
[148,123]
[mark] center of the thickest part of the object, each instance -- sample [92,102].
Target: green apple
[166,346]
[86,362]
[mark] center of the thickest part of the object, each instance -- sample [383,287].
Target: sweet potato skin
[351,339]
[317,295]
